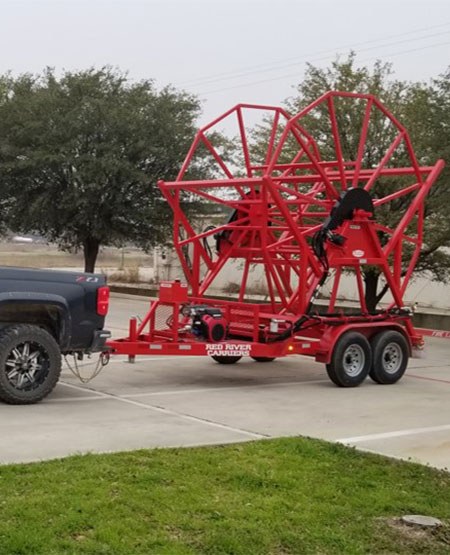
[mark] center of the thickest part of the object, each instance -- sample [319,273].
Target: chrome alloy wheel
[27,365]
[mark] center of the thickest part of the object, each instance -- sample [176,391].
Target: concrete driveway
[174,401]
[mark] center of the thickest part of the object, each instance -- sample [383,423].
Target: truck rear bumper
[98,343]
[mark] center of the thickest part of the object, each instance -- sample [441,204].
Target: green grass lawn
[268,497]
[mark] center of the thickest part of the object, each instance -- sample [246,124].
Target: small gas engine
[208,323]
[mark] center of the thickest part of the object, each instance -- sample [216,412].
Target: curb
[442,334]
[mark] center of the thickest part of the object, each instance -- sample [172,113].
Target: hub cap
[354,360]
[392,358]
[27,366]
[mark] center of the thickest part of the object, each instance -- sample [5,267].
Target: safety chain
[102,361]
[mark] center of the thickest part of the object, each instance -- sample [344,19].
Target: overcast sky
[225,51]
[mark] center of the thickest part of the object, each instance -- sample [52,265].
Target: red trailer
[305,212]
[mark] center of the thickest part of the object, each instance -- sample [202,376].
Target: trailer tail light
[102,301]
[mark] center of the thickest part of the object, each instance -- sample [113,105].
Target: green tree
[80,157]
[433,136]
[425,112]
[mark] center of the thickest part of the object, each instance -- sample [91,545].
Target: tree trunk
[371,281]
[90,251]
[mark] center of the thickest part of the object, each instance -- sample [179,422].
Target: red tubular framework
[277,202]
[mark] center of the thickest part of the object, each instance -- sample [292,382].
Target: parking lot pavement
[174,401]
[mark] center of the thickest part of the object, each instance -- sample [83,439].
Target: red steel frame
[280,201]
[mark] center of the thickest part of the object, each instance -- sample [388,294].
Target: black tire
[390,353]
[226,359]
[351,360]
[30,364]
[263,359]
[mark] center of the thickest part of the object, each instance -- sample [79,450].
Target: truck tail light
[102,301]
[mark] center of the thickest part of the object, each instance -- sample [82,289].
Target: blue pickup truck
[44,314]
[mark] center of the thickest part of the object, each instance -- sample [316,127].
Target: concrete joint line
[397,433]
[156,408]
[429,379]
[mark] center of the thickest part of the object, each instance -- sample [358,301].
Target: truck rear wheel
[30,364]
[351,360]
[390,357]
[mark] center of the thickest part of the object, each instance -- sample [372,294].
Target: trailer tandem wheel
[390,353]
[351,360]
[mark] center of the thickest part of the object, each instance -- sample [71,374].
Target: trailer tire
[351,360]
[390,352]
[263,359]
[30,364]
[226,359]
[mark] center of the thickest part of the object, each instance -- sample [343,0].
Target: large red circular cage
[281,194]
